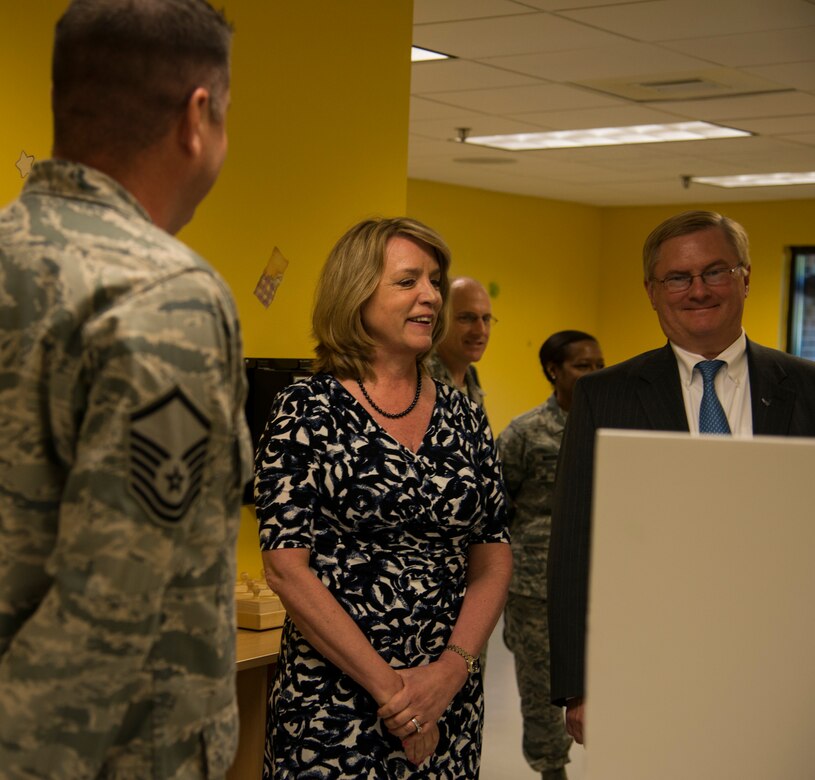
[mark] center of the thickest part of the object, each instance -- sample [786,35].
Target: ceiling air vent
[698,85]
[683,87]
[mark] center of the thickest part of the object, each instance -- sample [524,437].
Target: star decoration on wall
[24,163]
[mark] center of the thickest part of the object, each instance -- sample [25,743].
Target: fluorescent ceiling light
[757,179]
[607,136]
[418,54]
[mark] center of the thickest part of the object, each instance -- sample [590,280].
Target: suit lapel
[660,393]
[772,403]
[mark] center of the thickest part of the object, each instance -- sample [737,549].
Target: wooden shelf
[257,648]
[256,653]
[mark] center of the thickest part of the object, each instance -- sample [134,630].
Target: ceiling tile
[422,109]
[526,65]
[429,11]
[447,75]
[565,5]
[744,107]
[623,59]
[800,75]
[758,48]
[779,125]
[615,116]
[803,138]
[519,100]
[522,34]
[670,20]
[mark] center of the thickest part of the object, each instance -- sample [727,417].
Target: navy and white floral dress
[388,532]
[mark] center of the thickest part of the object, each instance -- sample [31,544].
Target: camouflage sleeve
[512,446]
[143,415]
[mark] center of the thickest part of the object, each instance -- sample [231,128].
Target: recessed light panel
[607,136]
[757,179]
[418,54]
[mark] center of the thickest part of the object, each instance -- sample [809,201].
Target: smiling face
[702,319]
[400,314]
[469,331]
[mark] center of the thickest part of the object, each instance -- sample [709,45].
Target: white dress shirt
[732,383]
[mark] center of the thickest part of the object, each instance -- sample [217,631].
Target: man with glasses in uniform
[708,378]
[466,340]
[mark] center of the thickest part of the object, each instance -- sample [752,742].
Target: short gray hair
[692,222]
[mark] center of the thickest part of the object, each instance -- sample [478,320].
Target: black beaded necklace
[398,414]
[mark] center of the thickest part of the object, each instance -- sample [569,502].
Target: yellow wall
[562,265]
[26,36]
[318,141]
[541,257]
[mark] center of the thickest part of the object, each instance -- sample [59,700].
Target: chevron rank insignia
[168,447]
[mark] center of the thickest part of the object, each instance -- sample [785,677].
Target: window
[801,315]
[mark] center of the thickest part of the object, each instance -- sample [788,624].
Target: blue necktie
[712,418]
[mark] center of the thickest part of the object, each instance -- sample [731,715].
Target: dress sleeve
[287,469]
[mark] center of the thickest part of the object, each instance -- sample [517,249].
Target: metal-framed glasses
[468,318]
[713,277]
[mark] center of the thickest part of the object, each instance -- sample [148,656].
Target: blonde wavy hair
[349,278]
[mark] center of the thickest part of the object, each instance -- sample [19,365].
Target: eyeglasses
[468,318]
[715,277]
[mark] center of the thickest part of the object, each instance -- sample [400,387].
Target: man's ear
[194,120]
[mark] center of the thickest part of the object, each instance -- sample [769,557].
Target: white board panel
[701,650]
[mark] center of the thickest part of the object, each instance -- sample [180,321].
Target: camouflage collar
[438,370]
[553,408]
[74,180]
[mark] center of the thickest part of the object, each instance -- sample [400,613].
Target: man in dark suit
[697,275]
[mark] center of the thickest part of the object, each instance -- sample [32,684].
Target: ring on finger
[417,724]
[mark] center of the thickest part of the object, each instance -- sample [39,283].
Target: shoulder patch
[169,438]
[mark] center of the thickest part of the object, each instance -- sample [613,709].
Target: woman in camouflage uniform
[529,449]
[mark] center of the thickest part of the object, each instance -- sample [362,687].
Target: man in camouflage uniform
[466,339]
[123,446]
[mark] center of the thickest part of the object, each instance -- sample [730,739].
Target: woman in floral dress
[383,528]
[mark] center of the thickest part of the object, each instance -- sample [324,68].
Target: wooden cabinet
[256,657]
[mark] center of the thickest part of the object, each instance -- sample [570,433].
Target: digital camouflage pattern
[437,369]
[123,451]
[526,633]
[529,448]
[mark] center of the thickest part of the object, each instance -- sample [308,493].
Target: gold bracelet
[472,661]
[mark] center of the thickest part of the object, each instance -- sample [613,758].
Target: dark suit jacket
[643,393]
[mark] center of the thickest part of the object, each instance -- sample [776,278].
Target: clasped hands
[425,694]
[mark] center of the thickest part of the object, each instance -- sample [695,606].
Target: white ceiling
[532,65]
